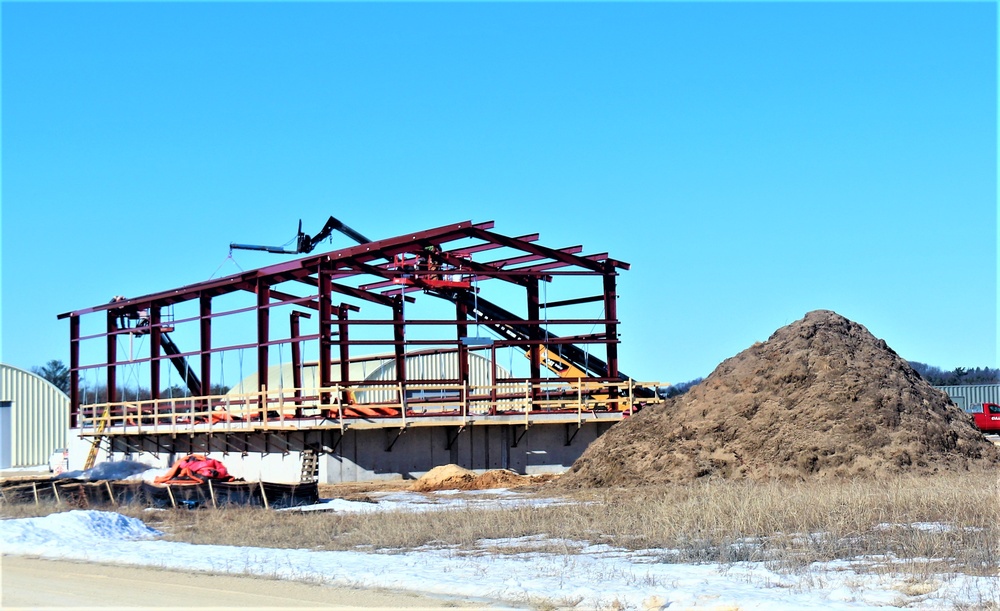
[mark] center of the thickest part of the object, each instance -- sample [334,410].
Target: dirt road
[36,583]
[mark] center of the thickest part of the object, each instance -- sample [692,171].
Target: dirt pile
[453,477]
[822,398]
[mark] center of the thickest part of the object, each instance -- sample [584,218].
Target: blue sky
[751,161]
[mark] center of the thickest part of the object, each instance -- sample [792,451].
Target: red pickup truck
[988,421]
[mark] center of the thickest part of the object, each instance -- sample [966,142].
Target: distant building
[381,368]
[34,418]
[971,396]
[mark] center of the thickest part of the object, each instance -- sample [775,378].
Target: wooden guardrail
[271,408]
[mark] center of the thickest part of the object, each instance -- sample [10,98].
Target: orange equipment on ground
[195,469]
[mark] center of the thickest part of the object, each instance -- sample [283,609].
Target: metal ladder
[310,466]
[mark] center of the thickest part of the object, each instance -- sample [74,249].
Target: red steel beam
[112,345]
[155,337]
[456,252]
[462,330]
[293,332]
[611,313]
[306,302]
[74,368]
[205,345]
[399,337]
[325,333]
[533,314]
[293,270]
[263,332]
[484,268]
[345,354]
[549,253]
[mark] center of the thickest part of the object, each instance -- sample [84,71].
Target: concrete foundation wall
[361,455]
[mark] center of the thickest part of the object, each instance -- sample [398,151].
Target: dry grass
[912,526]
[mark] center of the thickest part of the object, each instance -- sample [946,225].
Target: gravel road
[36,583]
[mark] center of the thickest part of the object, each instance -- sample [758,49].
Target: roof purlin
[544,251]
[365,252]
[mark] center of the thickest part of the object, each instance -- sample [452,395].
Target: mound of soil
[453,477]
[445,477]
[822,398]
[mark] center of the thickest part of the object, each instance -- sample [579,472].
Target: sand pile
[822,398]
[453,477]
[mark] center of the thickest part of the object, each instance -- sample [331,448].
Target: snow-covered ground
[542,572]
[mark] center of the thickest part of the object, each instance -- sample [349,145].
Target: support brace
[453,439]
[517,438]
[569,437]
[399,434]
[272,437]
[331,449]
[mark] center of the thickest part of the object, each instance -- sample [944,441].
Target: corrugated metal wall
[39,417]
[442,366]
[970,398]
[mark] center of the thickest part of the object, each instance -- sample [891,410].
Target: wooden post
[263,495]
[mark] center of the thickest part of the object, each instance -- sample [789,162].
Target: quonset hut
[438,391]
[32,418]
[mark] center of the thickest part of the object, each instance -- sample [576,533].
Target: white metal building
[435,366]
[34,418]
[971,397]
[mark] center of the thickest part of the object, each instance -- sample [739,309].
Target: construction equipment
[438,275]
[305,244]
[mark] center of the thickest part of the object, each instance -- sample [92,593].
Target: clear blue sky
[751,161]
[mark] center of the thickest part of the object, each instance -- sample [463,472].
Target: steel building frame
[333,286]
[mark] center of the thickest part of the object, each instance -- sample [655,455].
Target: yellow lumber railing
[275,408]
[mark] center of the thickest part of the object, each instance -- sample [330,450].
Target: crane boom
[304,243]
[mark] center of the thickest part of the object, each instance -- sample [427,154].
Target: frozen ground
[576,574]
[435,501]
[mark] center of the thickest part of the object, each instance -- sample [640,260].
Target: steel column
[112,357]
[154,351]
[462,314]
[263,332]
[293,322]
[205,328]
[74,375]
[345,350]
[611,315]
[325,335]
[399,337]
[534,331]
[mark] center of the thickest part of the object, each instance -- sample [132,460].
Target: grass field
[909,526]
